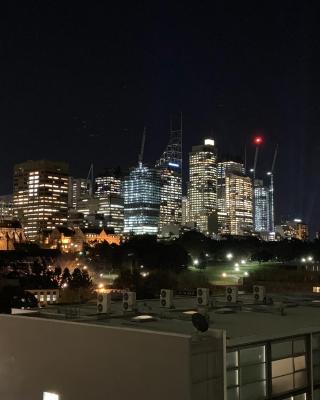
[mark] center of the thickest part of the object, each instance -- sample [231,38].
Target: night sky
[79,82]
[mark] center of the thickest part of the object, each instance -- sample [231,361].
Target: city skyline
[87,85]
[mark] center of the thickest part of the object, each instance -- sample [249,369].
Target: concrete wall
[88,362]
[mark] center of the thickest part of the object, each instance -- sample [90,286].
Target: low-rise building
[11,234]
[249,352]
[71,240]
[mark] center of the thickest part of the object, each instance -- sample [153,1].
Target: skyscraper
[261,207]
[111,206]
[79,188]
[202,187]
[40,195]
[235,214]
[141,192]
[170,167]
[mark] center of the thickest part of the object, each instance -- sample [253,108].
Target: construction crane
[142,146]
[258,140]
[271,190]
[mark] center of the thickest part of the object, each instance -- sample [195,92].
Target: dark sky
[79,82]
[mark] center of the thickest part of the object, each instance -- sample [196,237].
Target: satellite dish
[200,322]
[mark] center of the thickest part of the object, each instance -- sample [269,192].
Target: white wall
[88,362]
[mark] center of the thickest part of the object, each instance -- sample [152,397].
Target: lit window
[50,396]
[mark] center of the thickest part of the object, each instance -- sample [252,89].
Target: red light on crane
[258,140]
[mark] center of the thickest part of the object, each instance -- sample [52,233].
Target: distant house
[11,234]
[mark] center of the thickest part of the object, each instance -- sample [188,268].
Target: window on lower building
[289,370]
[246,374]
[316,358]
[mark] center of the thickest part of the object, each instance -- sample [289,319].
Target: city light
[236,268]
[65,285]
[229,256]
[310,258]
[196,262]
[243,261]
[303,260]
[224,275]
[246,273]
[101,286]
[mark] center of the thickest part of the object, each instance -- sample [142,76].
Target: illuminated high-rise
[261,207]
[40,195]
[170,167]
[111,205]
[202,187]
[141,192]
[79,188]
[235,208]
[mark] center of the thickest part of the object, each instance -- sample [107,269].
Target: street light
[229,256]
[246,273]
[224,275]
[303,260]
[243,261]
[310,258]
[196,262]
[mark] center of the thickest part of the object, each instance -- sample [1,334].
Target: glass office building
[141,192]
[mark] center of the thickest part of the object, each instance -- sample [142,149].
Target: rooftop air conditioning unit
[203,296]
[231,294]
[259,293]
[129,301]
[103,303]
[166,298]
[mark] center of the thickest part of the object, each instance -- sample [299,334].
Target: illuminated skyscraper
[141,192]
[111,206]
[202,187]
[170,167]
[40,195]
[79,188]
[235,212]
[261,207]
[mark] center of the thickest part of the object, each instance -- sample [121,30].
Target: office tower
[108,191]
[6,207]
[202,187]
[170,166]
[235,213]
[79,188]
[141,192]
[40,195]
[261,207]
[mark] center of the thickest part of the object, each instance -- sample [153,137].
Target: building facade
[6,207]
[111,206]
[40,195]
[141,192]
[11,234]
[224,168]
[170,167]
[261,207]
[296,229]
[79,188]
[202,187]
[235,205]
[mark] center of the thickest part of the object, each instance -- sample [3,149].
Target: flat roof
[244,322]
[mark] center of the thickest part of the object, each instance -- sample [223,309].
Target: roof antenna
[142,146]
